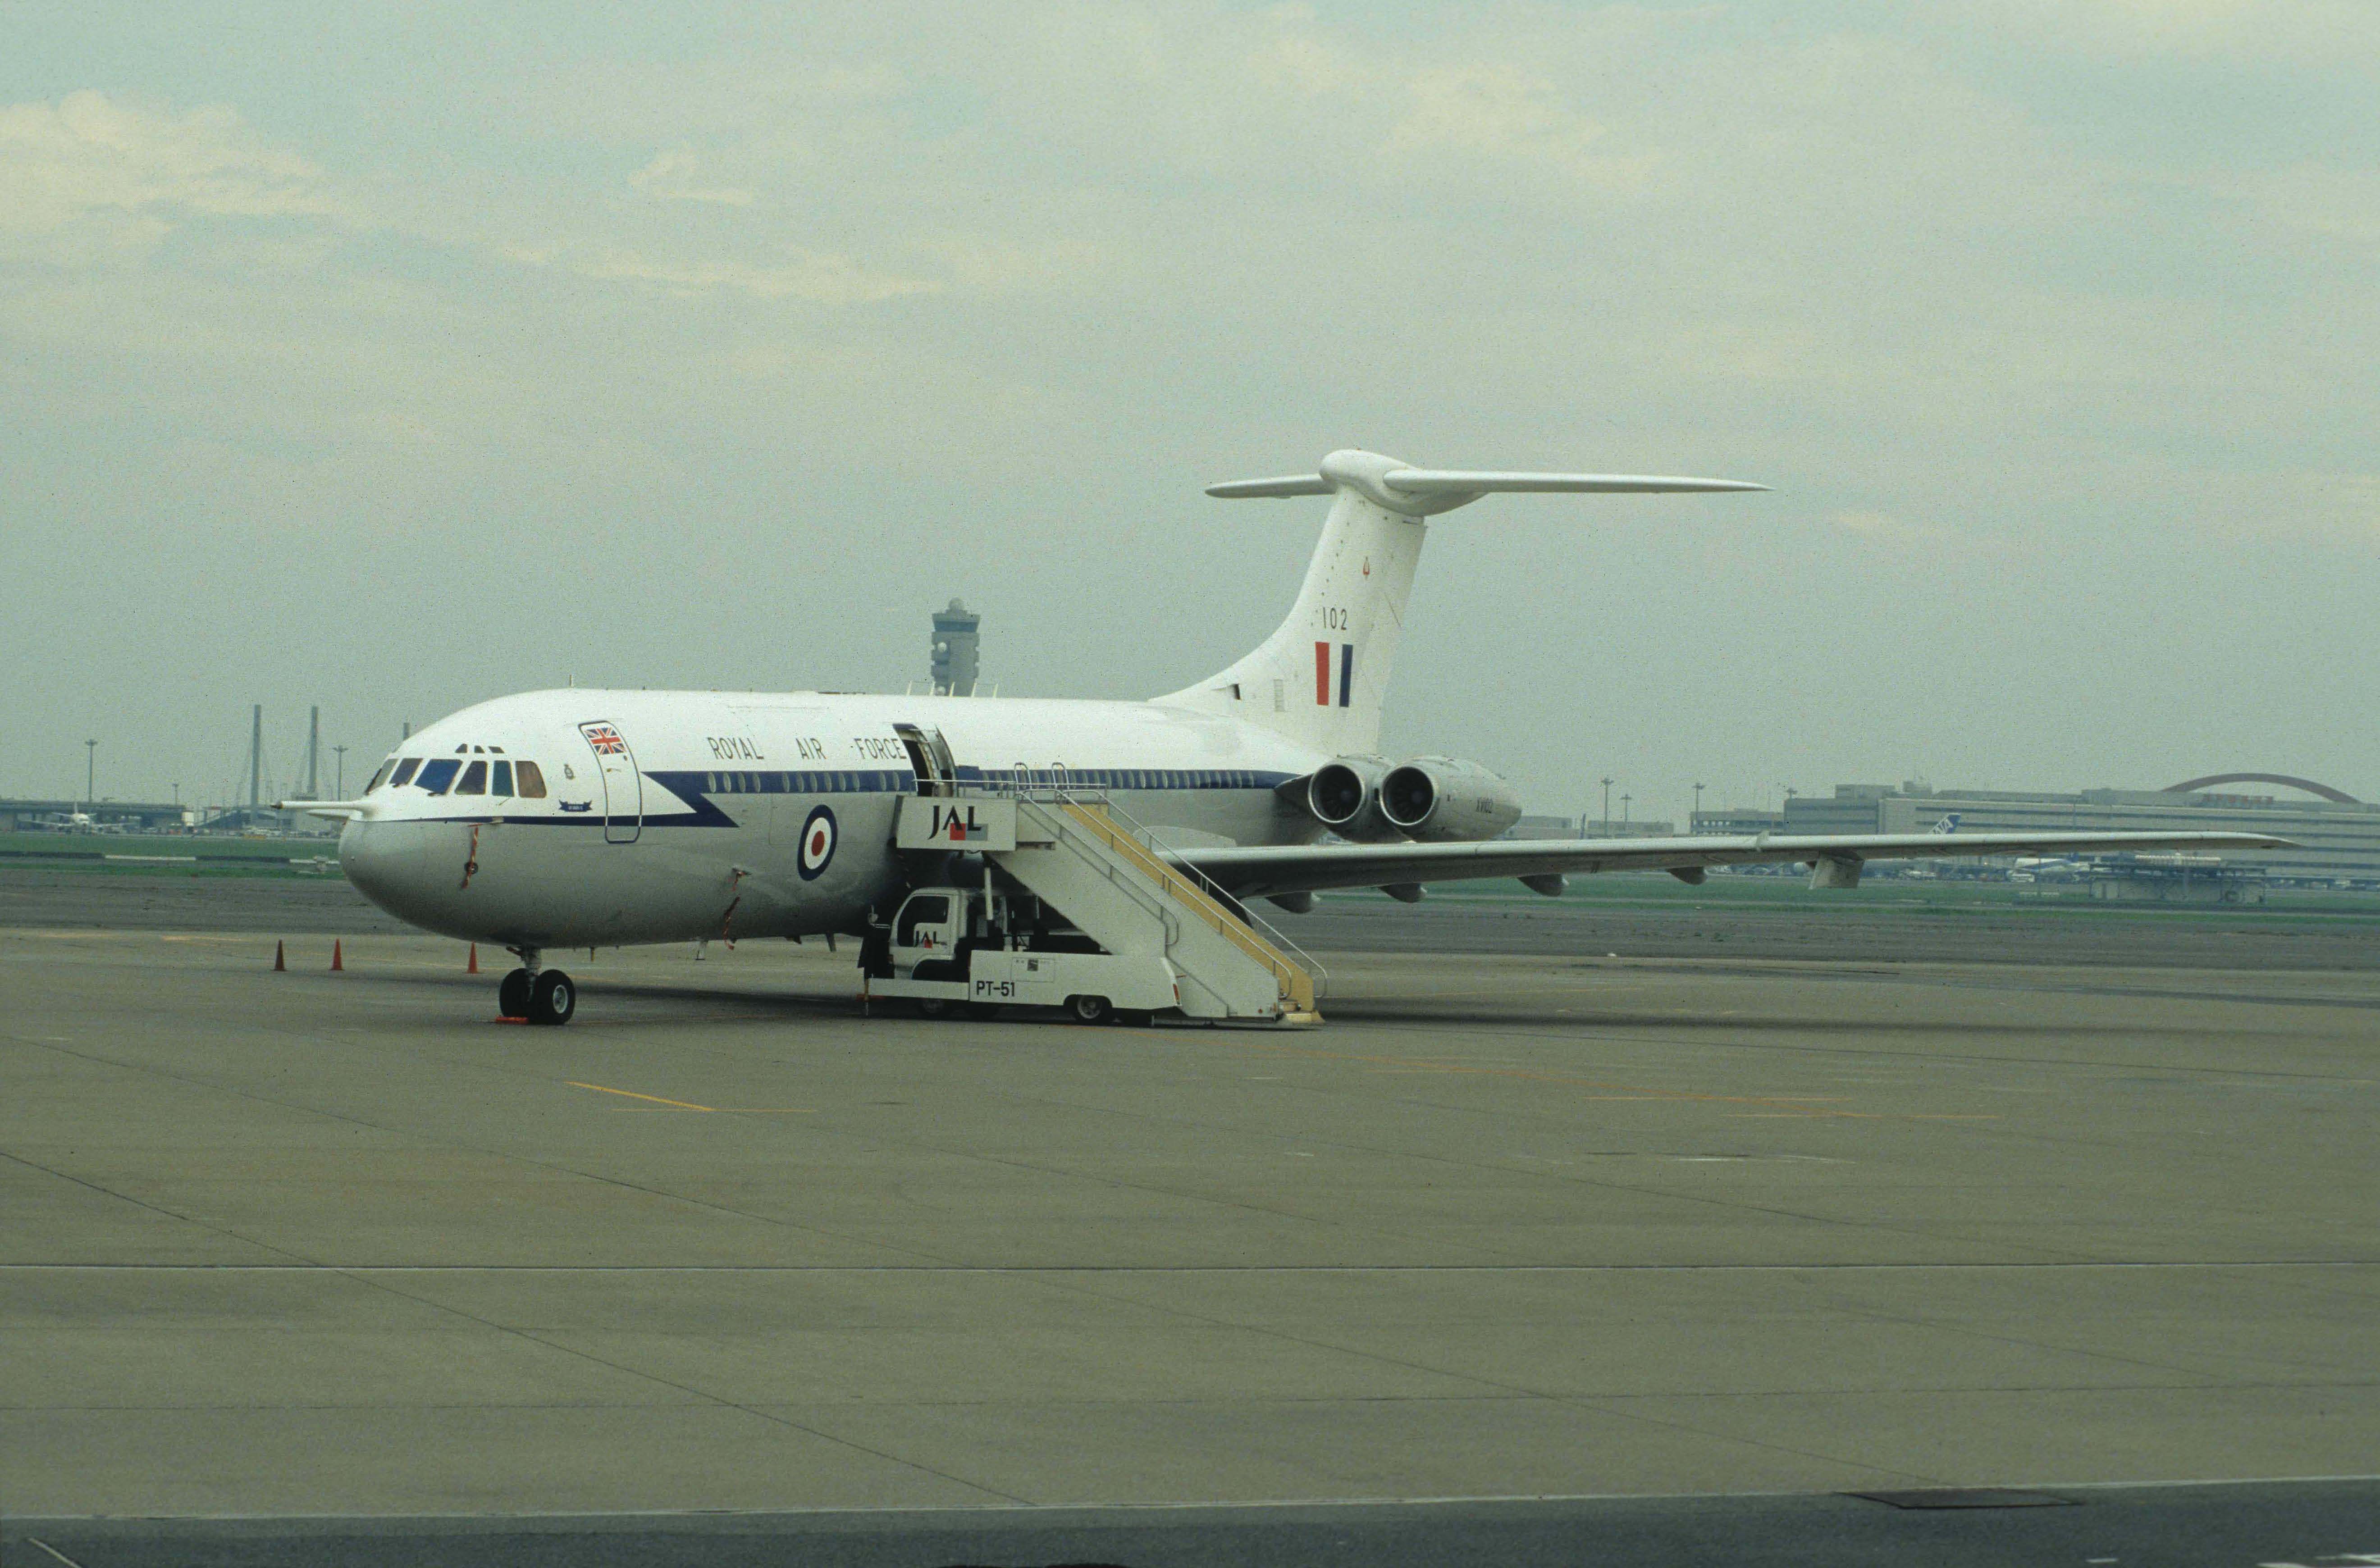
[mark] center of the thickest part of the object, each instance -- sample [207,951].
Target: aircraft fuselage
[676,815]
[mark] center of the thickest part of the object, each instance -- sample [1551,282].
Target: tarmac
[1696,1244]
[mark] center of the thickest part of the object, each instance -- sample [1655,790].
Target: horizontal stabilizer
[1419,491]
[1457,481]
[1271,490]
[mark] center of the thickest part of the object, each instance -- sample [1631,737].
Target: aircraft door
[929,759]
[624,787]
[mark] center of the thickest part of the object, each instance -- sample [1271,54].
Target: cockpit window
[381,777]
[475,780]
[501,779]
[532,780]
[404,774]
[437,774]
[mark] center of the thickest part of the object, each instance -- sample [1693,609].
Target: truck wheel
[1087,1009]
[933,1007]
[983,1009]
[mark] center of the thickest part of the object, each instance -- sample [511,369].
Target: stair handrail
[1050,786]
[1288,962]
[1215,890]
[1161,908]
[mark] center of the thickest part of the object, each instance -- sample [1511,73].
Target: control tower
[954,650]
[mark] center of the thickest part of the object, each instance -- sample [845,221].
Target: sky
[394,357]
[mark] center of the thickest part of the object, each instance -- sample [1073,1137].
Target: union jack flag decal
[604,739]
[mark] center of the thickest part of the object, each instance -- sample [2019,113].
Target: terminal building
[2339,836]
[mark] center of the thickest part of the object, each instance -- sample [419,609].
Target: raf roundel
[817,843]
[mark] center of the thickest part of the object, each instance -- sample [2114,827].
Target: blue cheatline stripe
[1123,779]
[697,789]
[1346,671]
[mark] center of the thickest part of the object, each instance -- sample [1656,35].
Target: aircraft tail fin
[1321,678]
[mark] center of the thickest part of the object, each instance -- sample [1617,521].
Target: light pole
[1623,806]
[1607,800]
[1698,802]
[341,793]
[89,774]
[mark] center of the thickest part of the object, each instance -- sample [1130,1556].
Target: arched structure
[2211,780]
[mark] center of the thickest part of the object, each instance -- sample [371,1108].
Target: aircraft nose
[384,860]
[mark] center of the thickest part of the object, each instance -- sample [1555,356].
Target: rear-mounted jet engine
[1344,795]
[1438,799]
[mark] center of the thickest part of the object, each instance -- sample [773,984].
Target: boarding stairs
[1082,857]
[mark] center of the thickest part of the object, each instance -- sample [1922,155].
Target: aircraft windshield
[437,774]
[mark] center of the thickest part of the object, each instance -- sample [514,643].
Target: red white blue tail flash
[1322,674]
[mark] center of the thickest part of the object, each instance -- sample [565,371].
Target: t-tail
[1321,678]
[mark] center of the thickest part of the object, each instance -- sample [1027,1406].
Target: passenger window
[920,912]
[404,774]
[437,774]
[475,780]
[531,781]
[381,777]
[500,779]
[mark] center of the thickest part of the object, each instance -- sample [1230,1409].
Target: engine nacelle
[1344,795]
[1438,799]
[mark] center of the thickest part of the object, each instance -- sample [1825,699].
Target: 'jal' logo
[958,825]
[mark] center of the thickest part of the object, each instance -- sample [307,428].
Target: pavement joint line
[1492,1029]
[1277,1211]
[722,1401]
[2014,1266]
[50,1521]
[426,1140]
[1793,1104]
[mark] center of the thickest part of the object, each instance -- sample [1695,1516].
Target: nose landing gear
[536,995]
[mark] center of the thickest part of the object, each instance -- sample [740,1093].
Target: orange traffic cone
[280,959]
[473,967]
[338,962]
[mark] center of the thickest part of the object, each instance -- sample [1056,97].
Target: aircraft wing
[326,807]
[1256,871]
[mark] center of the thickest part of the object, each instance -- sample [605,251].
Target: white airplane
[585,818]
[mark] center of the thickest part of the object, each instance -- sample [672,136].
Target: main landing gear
[537,995]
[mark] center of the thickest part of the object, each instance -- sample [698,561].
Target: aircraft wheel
[512,995]
[1087,1009]
[553,998]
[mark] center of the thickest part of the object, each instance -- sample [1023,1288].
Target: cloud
[88,157]
[821,278]
[2312,32]
[673,178]
[1916,537]
[1501,111]
[2337,203]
